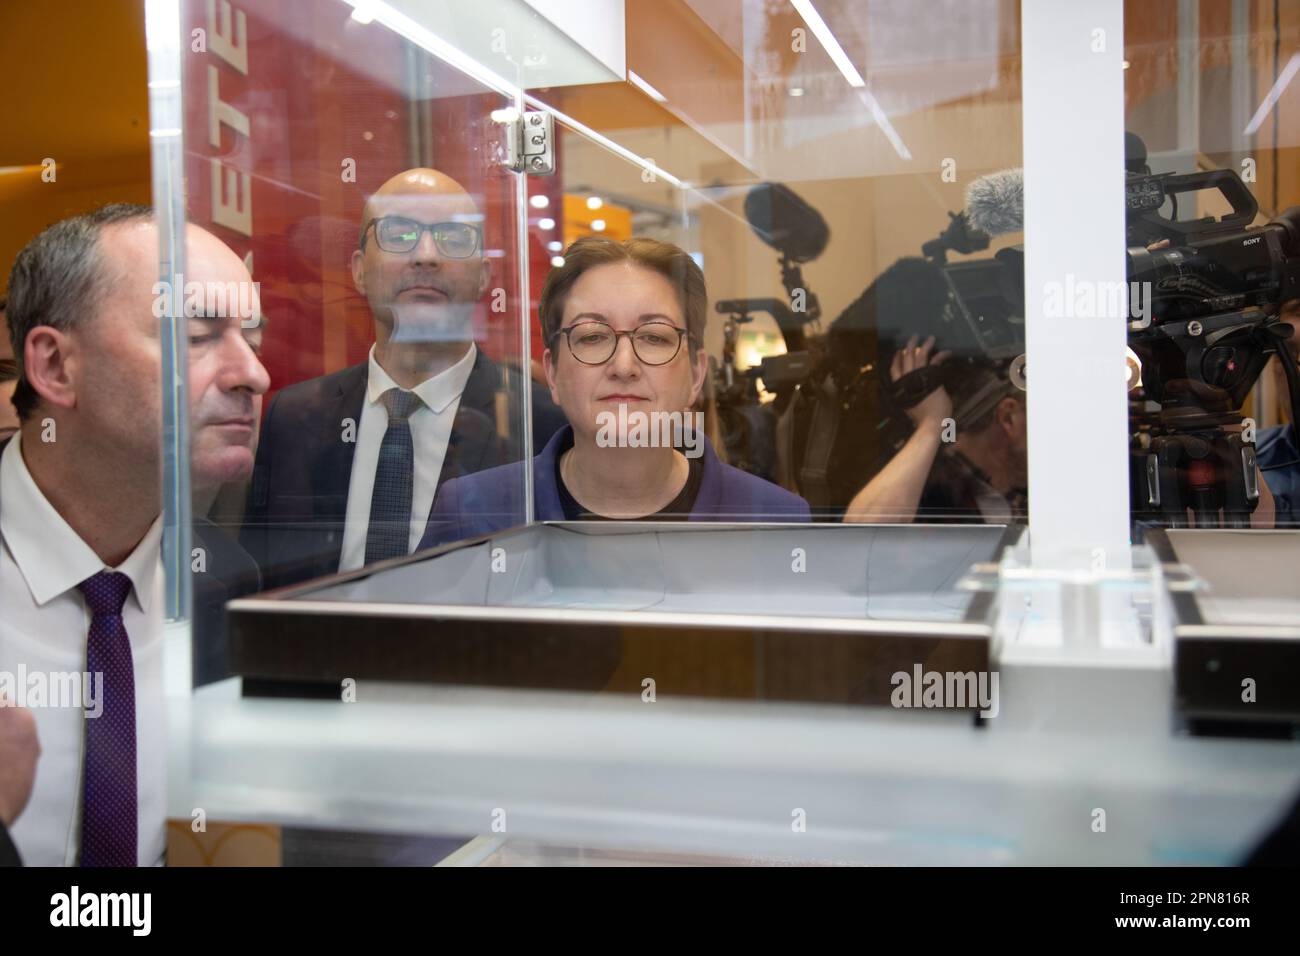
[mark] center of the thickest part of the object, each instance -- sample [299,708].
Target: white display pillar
[1075,284]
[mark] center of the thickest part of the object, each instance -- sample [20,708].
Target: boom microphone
[785,222]
[995,204]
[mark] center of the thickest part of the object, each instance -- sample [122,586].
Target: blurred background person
[8,379]
[349,463]
[8,382]
[965,466]
[19,749]
[1276,450]
[967,457]
[624,325]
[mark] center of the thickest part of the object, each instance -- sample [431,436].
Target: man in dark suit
[349,463]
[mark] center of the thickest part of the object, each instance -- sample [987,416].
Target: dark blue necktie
[389,534]
[110,799]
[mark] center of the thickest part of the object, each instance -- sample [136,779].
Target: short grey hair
[57,280]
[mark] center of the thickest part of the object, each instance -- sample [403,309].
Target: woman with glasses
[624,325]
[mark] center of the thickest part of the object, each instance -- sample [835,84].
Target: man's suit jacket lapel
[331,472]
[474,443]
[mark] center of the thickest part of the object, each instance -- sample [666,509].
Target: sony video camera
[1204,296]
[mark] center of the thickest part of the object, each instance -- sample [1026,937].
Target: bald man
[80,532]
[349,463]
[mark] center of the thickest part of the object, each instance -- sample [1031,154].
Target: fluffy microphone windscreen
[995,203]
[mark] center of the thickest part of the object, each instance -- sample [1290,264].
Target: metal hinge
[530,143]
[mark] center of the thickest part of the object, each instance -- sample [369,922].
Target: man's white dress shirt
[44,623]
[430,432]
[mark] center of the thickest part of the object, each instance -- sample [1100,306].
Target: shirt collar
[437,392]
[52,557]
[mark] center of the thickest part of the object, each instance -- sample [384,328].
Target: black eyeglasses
[594,343]
[455,240]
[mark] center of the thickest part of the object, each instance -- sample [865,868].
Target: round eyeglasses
[455,240]
[594,343]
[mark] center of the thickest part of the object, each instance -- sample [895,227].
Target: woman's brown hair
[668,260]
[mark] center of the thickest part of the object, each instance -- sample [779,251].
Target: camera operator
[972,466]
[968,468]
[1277,451]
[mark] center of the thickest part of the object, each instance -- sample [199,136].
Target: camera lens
[1223,366]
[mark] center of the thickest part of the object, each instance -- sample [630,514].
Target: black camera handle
[1145,195]
[911,389]
[787,321]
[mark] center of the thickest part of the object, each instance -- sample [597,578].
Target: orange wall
[75,92]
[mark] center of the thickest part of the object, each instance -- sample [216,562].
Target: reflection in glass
[1214,266]
[357,176]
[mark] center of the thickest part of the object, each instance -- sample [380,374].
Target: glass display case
[1234,636]
[697,611]
[437,632]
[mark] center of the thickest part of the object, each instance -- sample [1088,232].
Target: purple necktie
[108,817]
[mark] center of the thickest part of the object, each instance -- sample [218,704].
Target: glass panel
[816,329]
[1214,240]
[815,161]
[360,178]
[780,235]
[824,204]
